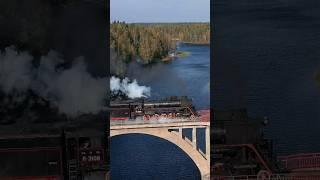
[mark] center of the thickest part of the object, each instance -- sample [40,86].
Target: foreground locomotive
[169,108]
[73,150]
[240,148]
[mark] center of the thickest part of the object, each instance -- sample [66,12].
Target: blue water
[188,76]
[266,56]
[140,157]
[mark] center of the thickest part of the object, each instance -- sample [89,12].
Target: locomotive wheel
[263,175]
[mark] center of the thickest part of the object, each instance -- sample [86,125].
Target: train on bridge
[169,108]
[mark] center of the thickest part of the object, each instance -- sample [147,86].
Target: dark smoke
[117,66]
[37,79]
[164,80]
[71,27]
[73,91]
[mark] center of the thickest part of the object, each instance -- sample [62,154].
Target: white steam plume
[73,91]
[131,89]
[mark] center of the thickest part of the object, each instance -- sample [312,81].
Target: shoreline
[180,54]
[196,44]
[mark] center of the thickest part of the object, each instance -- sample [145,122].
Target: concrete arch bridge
[172,132]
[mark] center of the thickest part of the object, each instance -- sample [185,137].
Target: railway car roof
[84,125]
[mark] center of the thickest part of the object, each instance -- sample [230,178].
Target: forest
[150,42]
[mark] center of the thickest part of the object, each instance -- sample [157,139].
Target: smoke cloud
[131,89]
[117,66]
[72,90]
[15,71]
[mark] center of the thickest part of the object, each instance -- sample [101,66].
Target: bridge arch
[202,164]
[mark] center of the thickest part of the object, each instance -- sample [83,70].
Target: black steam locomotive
[240,148]
[72,150]
[172,108]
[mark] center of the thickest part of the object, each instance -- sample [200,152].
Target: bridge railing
[272,177]
[142,122]
[300,161]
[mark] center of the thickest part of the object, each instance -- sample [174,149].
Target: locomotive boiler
[169,108]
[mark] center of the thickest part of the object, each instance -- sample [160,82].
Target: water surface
[266,55]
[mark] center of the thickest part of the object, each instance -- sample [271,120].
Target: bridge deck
[178,124]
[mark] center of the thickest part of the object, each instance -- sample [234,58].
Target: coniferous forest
[150,42]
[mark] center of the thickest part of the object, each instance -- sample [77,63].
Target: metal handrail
[300,161]
[271,177]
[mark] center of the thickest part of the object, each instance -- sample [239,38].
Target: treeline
[198,33]
[149,42]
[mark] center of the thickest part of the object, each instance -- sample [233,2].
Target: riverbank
[197,43]
[179,54]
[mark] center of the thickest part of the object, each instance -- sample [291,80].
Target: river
[140,157]
[266,56]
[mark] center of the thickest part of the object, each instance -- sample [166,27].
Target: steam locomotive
[240,148]
[171,108]
[70,150]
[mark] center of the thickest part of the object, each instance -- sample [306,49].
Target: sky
[148,11]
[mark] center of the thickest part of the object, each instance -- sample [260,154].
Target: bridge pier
[205,177]
[208,144]
[194,138]
[180,132]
